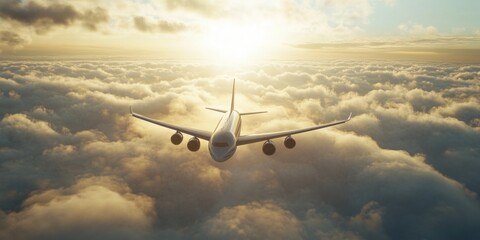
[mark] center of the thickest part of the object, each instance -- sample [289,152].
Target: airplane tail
[232,104]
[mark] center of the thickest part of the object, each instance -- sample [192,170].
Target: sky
[242,31]
[75,165]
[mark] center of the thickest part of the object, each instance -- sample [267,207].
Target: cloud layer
[72,159]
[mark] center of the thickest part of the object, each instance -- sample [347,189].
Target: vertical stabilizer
[232,105]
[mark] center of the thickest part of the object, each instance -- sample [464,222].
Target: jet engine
[289,142]
[268,148]
[177,138]
[193,144]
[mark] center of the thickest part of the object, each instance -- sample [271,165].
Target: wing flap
[205,135]
[246,139]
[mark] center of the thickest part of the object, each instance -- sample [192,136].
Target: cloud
[95,207]
[161,26]
[207,8]
[44,17]
[12,39]
[324,18]
[436,44]
[91,18]
[254,221]
[404,167]
[350,10]
[417,29]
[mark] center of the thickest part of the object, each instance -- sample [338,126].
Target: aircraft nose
[222,154]
[218,154]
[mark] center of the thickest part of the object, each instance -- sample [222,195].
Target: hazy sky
[243,30]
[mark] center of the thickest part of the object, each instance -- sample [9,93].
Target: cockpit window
[220,144]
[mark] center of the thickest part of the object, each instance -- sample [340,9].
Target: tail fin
[232,105]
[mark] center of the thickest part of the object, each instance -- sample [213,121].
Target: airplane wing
[205,135]
[246,139]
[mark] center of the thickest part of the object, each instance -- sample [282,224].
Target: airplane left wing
[205,135]
[246,139]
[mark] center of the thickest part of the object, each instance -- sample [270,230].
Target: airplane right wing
[205,135]
[246,139]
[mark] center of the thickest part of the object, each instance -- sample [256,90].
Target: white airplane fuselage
[223,142]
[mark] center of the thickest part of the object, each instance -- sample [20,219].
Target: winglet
[131,110]
[349,117]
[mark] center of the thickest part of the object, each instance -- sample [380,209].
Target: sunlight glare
[234,43]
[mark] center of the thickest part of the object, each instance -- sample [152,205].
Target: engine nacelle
[193,144]
[268,148]
[289,142]
[176,138]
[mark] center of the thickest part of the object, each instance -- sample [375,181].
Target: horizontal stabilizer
[217,110]
[251,113]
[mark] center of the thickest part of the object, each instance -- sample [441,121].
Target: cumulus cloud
[95,207]
[43,17]
[254,221]
[404,167]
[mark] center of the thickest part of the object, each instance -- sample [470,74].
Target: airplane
[223,141]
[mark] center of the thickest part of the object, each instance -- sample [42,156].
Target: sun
[236,43]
